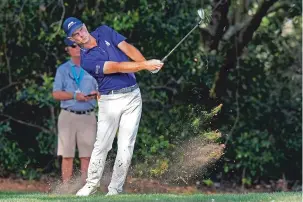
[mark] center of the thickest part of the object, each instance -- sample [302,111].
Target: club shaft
[163,59]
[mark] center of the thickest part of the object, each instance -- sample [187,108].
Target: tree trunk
[238,41]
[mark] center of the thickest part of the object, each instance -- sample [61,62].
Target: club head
[201,13]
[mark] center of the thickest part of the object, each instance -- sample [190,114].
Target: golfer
[104,55]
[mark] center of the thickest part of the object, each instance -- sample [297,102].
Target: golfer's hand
[153,64]
[94,97]
[81,97]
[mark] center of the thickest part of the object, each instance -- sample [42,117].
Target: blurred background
[225,109]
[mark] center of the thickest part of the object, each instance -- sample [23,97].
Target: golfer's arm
[122,67]
[62,95]
[131,51]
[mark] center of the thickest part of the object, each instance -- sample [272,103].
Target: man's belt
[79,112]
[124,90]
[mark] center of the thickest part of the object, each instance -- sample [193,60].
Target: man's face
[80,36]
[74,50]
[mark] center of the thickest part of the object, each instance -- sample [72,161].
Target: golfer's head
[75,30]
[72,48]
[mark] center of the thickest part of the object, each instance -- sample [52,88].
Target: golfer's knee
[101,147]
[125,154]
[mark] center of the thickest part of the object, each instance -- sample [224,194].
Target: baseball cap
[70,25]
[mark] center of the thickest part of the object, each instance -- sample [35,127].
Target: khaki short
[75,129]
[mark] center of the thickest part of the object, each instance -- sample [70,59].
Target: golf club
[201,15]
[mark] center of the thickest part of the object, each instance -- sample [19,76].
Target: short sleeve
[58,82]
[92,65]
[115,36]
[95,84]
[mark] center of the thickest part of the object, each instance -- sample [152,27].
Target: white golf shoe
[87,190]
[112,193]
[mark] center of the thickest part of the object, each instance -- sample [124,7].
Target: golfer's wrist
[143,65]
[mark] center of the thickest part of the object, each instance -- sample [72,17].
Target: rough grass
[252,197]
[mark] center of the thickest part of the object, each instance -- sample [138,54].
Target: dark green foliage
[261,115]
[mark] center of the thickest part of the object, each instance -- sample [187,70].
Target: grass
[252,197]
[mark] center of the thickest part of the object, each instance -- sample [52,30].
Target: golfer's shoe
[112,193]
[87,190]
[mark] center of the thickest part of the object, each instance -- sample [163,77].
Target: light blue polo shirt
[92,60]
[65,81]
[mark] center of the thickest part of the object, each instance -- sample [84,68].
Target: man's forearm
[62,95]
[131,51]
[122,67]
[135,54]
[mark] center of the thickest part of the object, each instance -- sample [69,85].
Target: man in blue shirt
[104,55]
[77,120]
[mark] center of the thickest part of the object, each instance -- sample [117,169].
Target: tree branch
[284,5]
[255,22]
[233,30]
[8,86]
[244,37]
[219,22]
[26,123]
[7,58]
[61,19]
[53,117]
[18,17]
[205,33]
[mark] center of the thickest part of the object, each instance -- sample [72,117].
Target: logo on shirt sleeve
[97,69]
[107,43]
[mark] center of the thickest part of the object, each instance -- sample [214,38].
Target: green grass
[252,197]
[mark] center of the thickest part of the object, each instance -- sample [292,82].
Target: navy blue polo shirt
[92,60]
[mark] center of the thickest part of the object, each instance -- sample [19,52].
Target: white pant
[116,111]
